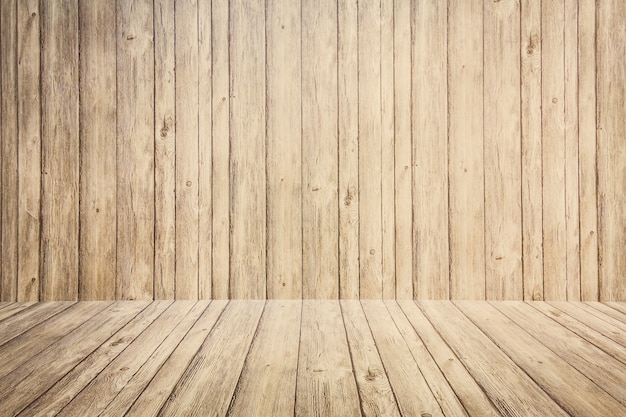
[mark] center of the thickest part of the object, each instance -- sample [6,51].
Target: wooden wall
[445,149]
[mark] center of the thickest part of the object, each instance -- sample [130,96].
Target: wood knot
[372,252]
[188,183]
[371,376]
[555,100]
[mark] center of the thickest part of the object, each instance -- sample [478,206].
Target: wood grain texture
[60,145]
[98,119]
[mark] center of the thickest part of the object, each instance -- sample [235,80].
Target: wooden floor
[313,358]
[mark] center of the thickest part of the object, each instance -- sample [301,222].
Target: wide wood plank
[325,384]
[414,395]
[607,310]
[271,359]
[376,395]
[618,306]
[14,308]
[152,398]
[217,365]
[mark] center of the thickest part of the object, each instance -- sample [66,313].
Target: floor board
[312,358]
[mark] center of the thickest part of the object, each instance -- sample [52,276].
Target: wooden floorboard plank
[596,323]
[159,388]
[597,365]
[511,390]
[466,388]
[272,362]
[592,335]
[617,306]
[443,392]
[25,384]
[135,386]
[414,395]
[377,397]
[95,397]
[325,384]
[20,323]
[217,365]
[607,310]
[14,308]
[24,347]
[70,384]
[552,373]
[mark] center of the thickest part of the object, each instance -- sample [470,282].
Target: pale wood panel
[164,151]
[429,130]
[370,150]
[59,152]
[502,126]
[284,150]
[611,108]
[592,321]
[466,150]
[135,150]
[98,120]
[320,218]
[186,56]
[531,150]
[248,208]
[220,262]
[347,113]
[8,152]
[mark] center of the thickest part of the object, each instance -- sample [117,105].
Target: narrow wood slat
[154,395]
[552,373]
[607,372]
[429,132]
[247,149]
[320,218]
[284,150]
[510,389]
[20,323]
[98,121]
[441,389]
[113,378]
[531,149]
[617,306]
[273,357]
[607,310]
[135,150]
[325,384]
[30,127]
[587,332]
[217,365]
[27,383]
[375,393]
[186,105]
[471,395]
[9,145]
[466,150]
[412,391]
[164,151]
[597,312]
[347,113]
[502,127]
[594,318]
[21,349]
[15,308]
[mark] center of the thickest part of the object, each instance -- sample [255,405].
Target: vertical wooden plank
[532,196]
[387,183]
[466,165]
[402,149]
[205,150]
[611,110]
[60,151]
[370,150]
[284,150]
[587,150]
[319,150]
[97,120]
[135,150]
[429,121]
[186,52]
[9,151]
[571,111]
[348,101]
[247,141]
[553,151]
[164,151]
[29,150]
[220,130]
[502,126]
